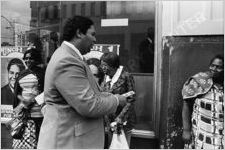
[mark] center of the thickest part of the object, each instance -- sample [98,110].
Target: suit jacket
[74,110]
[7,96]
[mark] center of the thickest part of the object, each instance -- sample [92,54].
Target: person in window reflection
[203,108]
[94,65]
[28,85]
[74,103]
[118,81]
[15,66]
[146,52]
[34,41]
[53,45]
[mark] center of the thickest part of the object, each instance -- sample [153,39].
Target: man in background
[15,66]
[146,52]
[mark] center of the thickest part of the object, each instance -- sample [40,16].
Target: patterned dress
[121,83]
[208,112]
[29,85]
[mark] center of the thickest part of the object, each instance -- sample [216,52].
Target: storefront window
[133,35]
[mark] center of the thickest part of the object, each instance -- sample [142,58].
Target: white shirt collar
[115,77]
[74,48]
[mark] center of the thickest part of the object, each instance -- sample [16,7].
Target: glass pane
[41,22]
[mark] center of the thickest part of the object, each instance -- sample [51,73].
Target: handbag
[119,141]
[17,124]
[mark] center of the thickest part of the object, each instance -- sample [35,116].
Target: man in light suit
[75,105]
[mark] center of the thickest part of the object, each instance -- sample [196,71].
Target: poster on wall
[6,113]
[12,51]
[99,49]
[8,53]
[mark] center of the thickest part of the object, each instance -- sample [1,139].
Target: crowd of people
[83,97]
[75,104]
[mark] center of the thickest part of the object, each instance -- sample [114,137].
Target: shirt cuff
[117,100]
[40,98]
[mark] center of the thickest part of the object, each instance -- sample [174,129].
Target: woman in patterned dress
[203,108]
[118,81]
[29,84]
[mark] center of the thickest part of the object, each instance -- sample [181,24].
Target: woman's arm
[131,99]
[186,118]
[130,87]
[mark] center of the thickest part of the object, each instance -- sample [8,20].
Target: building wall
[192,35]
[192,18]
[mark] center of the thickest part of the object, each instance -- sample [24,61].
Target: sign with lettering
[13,51]
[99,49]
[6,113]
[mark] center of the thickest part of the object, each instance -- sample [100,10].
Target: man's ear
[78,33]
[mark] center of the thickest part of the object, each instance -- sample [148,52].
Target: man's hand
[122,100]
[118,120]
[186,136]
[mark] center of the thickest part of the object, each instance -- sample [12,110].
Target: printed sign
[13,51]
[6,113]
[99,49]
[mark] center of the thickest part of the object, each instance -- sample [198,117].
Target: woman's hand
[26,103]
[122,100]
[186,136]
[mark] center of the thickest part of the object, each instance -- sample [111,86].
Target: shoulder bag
[17,124]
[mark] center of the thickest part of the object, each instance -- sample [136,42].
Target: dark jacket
[146,55]
[7,96]
[124,84]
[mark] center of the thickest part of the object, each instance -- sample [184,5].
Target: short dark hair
[219,56]
[16,61]
[150,32]
[54,36]
[35,39]
[73,24]
[112,59]
[96,62]
[35,55]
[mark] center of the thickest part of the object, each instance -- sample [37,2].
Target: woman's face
[216,68]
[29,61]
[95,72]
[13,74]
[105,68]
